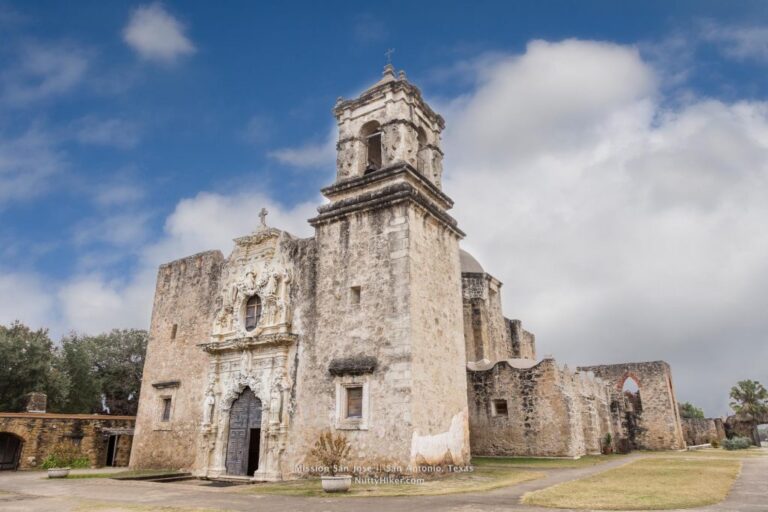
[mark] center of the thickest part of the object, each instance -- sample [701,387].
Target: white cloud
[27,164]
[156,35]
[43,71]
[312,155]
[27,298]
[119,133]
[623,230]
[94,303]
[739,42]
[126,229]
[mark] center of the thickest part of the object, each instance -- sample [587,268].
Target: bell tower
[388,124]
[388,343]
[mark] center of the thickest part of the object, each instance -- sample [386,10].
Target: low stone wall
[698,431]
[39,432]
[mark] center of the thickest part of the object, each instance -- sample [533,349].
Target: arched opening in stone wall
[633,410]
[371,135]
[421,156]
[244,441]
[10,450]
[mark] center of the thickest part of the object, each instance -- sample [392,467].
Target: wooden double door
[244,435]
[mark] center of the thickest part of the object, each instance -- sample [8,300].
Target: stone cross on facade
[389,53]
[263,217]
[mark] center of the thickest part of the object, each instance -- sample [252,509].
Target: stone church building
[378,326]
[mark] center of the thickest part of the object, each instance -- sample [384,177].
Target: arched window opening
[371,135]
[421,156]
[252,312]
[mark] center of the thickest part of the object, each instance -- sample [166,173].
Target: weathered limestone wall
[175,366]
[551,412]
[367,250]
[523,343]
[659,422]
[39,432]
[702,430]
[441,429]
[485,328]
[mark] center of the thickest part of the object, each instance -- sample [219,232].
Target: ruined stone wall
[41,432]
[175,366]
[702,430]
[551,412]
[485,328]
[522,342]
[659,421]
[438,406]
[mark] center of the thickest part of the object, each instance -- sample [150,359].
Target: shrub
[715,444]
[737,443]
[66,455]
[331,450]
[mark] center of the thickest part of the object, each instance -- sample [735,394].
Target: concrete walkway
[31,491]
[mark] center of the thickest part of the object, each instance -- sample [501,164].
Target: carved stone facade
[372,327]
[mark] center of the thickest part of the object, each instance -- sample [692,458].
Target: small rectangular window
[173,331]
[500,408]
[355,402]
[354,295]
[166,409]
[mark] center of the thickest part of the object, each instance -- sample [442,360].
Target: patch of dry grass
[653,483]
[717,453]
[94,506]
[543,463]
[481,479]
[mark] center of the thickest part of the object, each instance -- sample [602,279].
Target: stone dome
[468,263]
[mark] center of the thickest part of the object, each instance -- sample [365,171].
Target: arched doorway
[633,410]
[244,434]
[10,450]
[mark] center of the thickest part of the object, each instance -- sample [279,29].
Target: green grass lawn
[542,463]
[484,478]
[653,483]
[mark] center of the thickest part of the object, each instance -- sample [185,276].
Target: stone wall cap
[357,365]
[166,384]
[64,416]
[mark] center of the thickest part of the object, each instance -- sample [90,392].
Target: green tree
[76,359]
[28,363]
[118,361]
[749,398]
[688,410]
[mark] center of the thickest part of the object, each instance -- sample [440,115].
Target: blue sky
[617,147]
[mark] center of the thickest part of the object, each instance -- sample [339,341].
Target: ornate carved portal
[245,406]
[244,435]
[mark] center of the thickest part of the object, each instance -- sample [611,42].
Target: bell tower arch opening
[371,135]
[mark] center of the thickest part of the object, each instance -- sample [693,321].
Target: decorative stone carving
[208,405]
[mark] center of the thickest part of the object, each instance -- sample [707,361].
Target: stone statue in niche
[209,403]
[277,391]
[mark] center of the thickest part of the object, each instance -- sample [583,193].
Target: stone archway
[10,450]
[244,439]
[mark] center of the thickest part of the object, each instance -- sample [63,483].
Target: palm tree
[749,399]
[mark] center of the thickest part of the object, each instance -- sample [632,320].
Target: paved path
[31,491]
